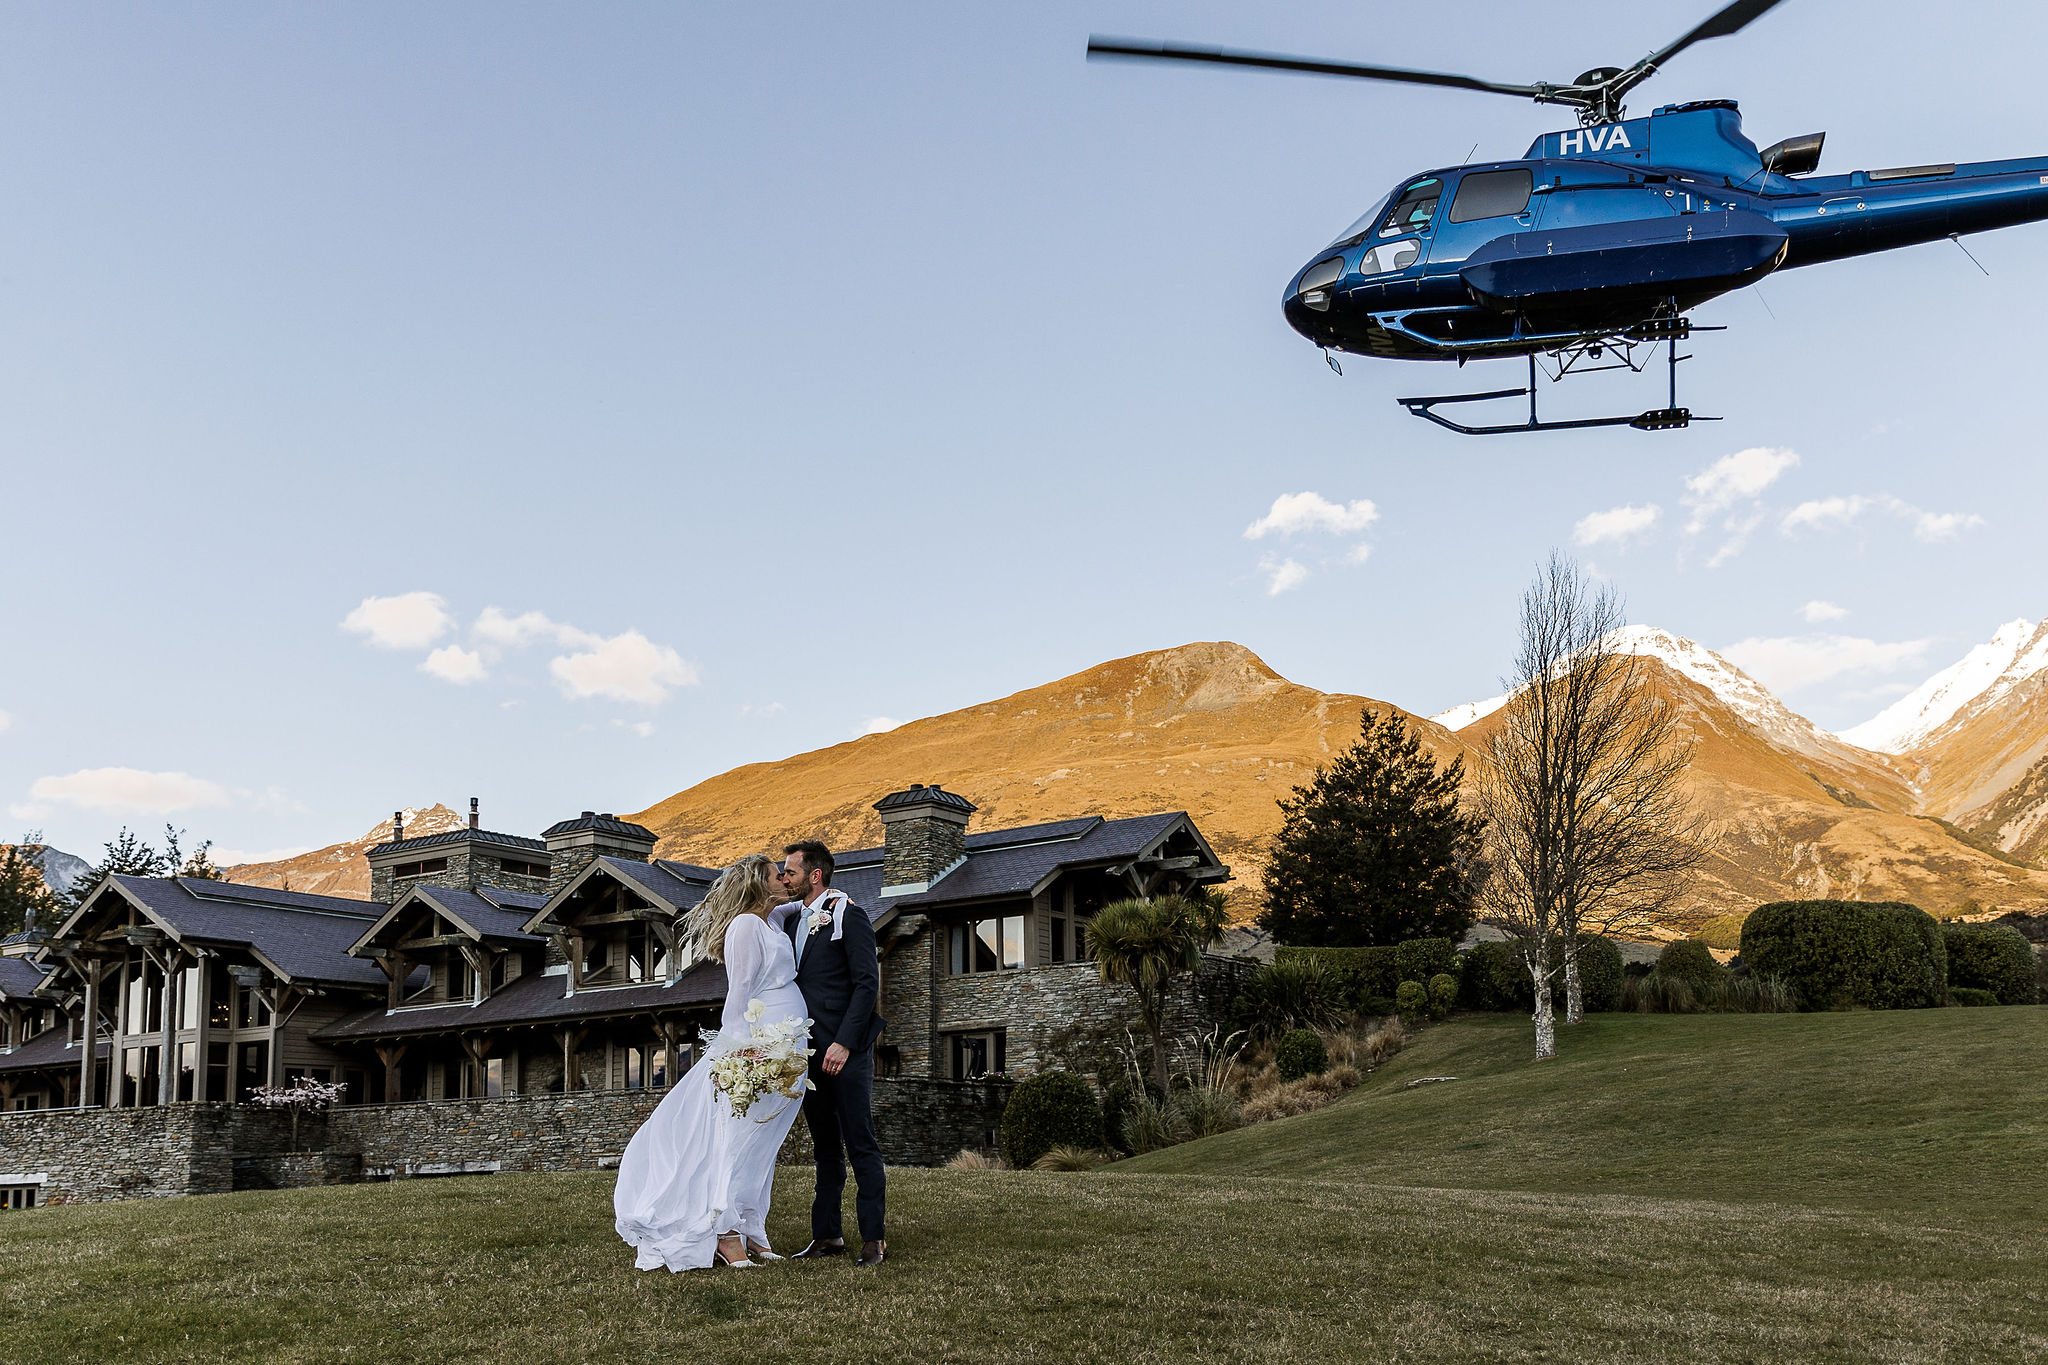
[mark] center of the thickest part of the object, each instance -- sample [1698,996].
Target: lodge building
[493,967]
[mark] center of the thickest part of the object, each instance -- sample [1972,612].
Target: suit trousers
[841,1113]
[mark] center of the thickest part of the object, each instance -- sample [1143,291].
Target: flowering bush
[774,1062]
[299,1097]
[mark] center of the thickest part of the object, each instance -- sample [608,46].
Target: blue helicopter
[1590,249]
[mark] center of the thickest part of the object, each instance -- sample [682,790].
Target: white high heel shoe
[718,1255]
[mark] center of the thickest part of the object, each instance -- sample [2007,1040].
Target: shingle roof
[18,978]
[1011,862]
[493,913]
[533,999]
[921,795]
[460,836]
[603,824]
[306,937]
[49,1050]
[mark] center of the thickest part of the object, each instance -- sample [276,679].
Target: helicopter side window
[1390,256]
[1413,210]
[1491,194]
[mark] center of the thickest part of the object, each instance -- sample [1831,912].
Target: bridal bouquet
[774,1063]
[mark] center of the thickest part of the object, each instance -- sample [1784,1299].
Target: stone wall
[1034,1004]
[99,1154]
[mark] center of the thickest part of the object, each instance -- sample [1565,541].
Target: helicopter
[1591,248]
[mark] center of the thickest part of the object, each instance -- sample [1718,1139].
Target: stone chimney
[574,844]
[924,837]
[472,813]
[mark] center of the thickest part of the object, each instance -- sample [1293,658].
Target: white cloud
[1732,479]
[1817,611]
[1294,513]
[493,626]
[762,709]
[1787,664]
[1934,527]
[453,663]
[411,620]
[880,725]
[1739,532]
[1617,524]
[625,667]
[1358,553]
[1825,514]
[1282,574]
[129,791]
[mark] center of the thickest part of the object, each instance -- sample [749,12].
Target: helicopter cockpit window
[1414,209]
[1491,194]
[1389,256]
[1355,234]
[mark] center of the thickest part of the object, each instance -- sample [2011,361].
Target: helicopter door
[1581,200]
[1485,205]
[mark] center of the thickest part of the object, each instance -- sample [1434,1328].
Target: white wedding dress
[694,1171]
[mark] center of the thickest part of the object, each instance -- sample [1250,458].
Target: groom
[841,982]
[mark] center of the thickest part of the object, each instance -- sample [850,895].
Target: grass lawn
[1748,1188]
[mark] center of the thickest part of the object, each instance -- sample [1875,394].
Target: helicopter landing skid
[1671,418]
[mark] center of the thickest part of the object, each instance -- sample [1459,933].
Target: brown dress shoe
[818,1251]
[872,1253]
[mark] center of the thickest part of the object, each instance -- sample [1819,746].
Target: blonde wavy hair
[744,888]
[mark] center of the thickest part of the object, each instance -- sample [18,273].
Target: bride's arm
[744,954]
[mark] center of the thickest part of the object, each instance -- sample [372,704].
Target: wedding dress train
[693,1171]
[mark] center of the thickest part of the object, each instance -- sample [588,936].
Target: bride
[694,1182]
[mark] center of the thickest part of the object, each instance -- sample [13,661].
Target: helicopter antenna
[1595,94]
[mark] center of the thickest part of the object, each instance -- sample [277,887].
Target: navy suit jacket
[841,980]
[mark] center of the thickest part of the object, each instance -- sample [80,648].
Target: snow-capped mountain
[1978,680]
[1745,696]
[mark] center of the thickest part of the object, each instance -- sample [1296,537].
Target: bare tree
[1588,824]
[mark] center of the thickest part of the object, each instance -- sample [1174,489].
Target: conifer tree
[22,889]
[1374,849]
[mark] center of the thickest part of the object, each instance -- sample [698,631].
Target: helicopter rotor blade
[1724,22]
[1136,49]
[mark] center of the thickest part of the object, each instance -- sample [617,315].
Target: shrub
[1301,1053]
[1301,992]
[1690,961]
[1443,993]
[1201,1112]
[1971,995]
[1421,958]
[1849,954]
[1412,1000]
[1991,957]
[1069,1159]
[1495,979]
[1296,1097]
[1599,973]
[1370,971]
[1378,1006]
[1052,1109]
[1753,994]
[971,1160]
[1149,1124]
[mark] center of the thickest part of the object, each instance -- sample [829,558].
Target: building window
[141,1076]
[253,1011]
[461,978]
[979,1054]
[518,869]
[29,1102]
[425,868]
[1081,953]
[646,955]
[597,961]
[1059,939]
[18,1196]
[219,1004]
[190,984]
[252,1068]
[494,1077]
[188,1063]
[145,998]
[498,961]
[216,1072]
[988,945]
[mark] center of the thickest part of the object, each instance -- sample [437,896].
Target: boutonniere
[820,918]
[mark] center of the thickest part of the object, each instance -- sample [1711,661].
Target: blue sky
[776,371]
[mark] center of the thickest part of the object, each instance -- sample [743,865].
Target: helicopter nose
[1307,304]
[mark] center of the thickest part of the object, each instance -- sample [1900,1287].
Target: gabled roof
[489,912]
[300,937]
[465,835]
[50,1050]
[674,886]
[532,999]
[1017,862]
[19,978]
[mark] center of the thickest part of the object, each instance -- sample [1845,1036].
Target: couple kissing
[798,1030]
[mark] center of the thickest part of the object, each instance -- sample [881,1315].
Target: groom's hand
[835,1058]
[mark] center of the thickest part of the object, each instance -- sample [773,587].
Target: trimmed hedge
[1970,995]
[1301,1053]
[1051,1109]
[1411,998]
[1690,961]
[1600,973]
[1991,957]
[1849,954]
[1421,958]
[1443,993]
